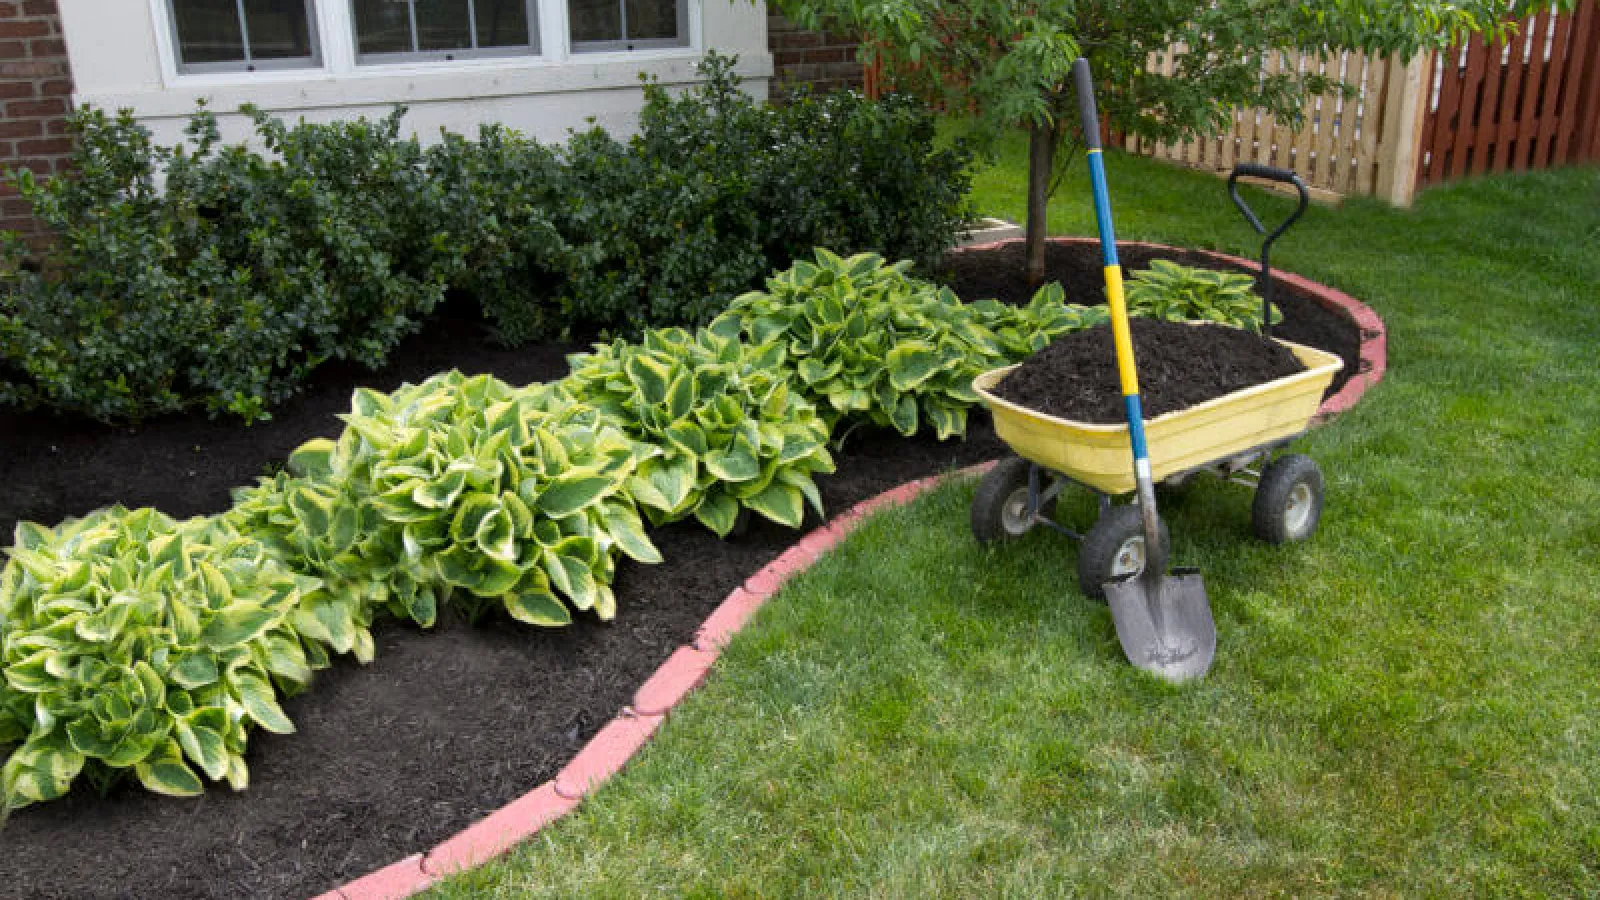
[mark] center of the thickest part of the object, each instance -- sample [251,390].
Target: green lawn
[1408,705]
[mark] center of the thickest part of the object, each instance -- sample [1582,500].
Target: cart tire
[1288,502]
[1114,548]
[1002,500]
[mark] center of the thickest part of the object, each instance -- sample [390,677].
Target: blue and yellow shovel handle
[1113,271]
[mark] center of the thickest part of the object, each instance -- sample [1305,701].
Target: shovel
[1163,621]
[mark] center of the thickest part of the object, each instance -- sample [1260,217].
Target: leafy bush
[866,340]
[1178,293]
[213,276]
[460,486]
[130,641]
[715,190]
[729,431]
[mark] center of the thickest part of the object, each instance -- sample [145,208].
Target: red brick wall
[824,61]
[35,96]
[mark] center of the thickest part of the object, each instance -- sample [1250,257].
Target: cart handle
[1267,173]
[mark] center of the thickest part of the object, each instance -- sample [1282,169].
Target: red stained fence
[1530,102]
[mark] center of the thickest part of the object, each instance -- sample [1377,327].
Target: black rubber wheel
[1114,548]
[1000,507]
[1288,502]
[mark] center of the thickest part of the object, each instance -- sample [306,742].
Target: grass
[1407,705]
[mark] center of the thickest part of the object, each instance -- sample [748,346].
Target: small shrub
[460,488]
[726,429]
[1179,293]
[134,642]
[213,276]
[865,340]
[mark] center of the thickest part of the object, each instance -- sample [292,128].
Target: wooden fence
[1532,101]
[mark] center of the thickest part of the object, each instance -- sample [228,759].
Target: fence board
[1579,49]
[1532,93]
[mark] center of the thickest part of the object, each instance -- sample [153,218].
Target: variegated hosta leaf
[867,342]
[721,414]
[118,634]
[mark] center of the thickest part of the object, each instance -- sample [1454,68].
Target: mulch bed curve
[446,725]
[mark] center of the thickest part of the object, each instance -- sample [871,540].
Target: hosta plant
[466,487]
[729,430]
[865,340]
[1178,293]
[130,641]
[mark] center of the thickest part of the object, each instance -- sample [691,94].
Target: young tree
[1007,61]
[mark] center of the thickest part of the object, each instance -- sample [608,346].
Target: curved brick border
[616,743]
[1374,336]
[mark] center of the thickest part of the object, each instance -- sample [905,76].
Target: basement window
[613,25]
[244,35]
[427,30]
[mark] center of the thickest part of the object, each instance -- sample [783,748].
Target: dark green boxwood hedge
[217,277]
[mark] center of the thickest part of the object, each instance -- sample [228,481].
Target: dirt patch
[1179,366]
[444,727]
[975,274]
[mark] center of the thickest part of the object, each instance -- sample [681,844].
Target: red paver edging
[1374,336]
[616,743]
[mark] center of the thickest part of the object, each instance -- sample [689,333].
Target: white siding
[121,57]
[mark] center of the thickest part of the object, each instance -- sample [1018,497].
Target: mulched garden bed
[446,725]
[1179,366]
[998,272]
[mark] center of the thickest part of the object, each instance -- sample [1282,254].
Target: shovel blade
[1164,624]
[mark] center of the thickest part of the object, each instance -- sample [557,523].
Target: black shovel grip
[1088,117]
[1267,173]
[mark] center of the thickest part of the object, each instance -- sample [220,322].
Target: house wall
[121,56]
[35,83]
[822,61]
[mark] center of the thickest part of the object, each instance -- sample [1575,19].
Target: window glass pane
[383,26]
[208,31]
[502,23]
[278,29]
[595,20]
[652,19]
[442,25]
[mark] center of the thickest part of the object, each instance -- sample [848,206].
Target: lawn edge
[689,665]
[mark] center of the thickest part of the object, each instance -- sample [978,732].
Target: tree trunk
[1041,158]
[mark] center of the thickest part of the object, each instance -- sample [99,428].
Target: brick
[46,48]
[55,87]
[24,28]
[21,128]
[683,671]
[15,67]
[499,831]
[13,49]
[392,882]
[22,109]
[605,754]
[766,581]
[58,146]
[40,8]
[16,90]
[8,10]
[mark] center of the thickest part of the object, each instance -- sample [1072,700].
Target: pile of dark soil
[1179,366]
[442,728]
[998,272]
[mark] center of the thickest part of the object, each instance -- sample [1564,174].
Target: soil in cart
[1180,366]
[975,273]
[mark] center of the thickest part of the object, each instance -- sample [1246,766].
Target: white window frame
[627,46]
[334,26]
[531,49]
[246,65]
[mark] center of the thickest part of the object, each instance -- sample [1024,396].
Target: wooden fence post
[1400,137]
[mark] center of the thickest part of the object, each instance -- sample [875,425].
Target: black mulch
[444,726]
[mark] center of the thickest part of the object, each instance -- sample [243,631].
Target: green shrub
[865,340]
[1179,293]
[728,429]
[463,488]
[214,276]
[129,641]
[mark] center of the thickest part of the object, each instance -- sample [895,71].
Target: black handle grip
[1088,117]
[1268,173]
